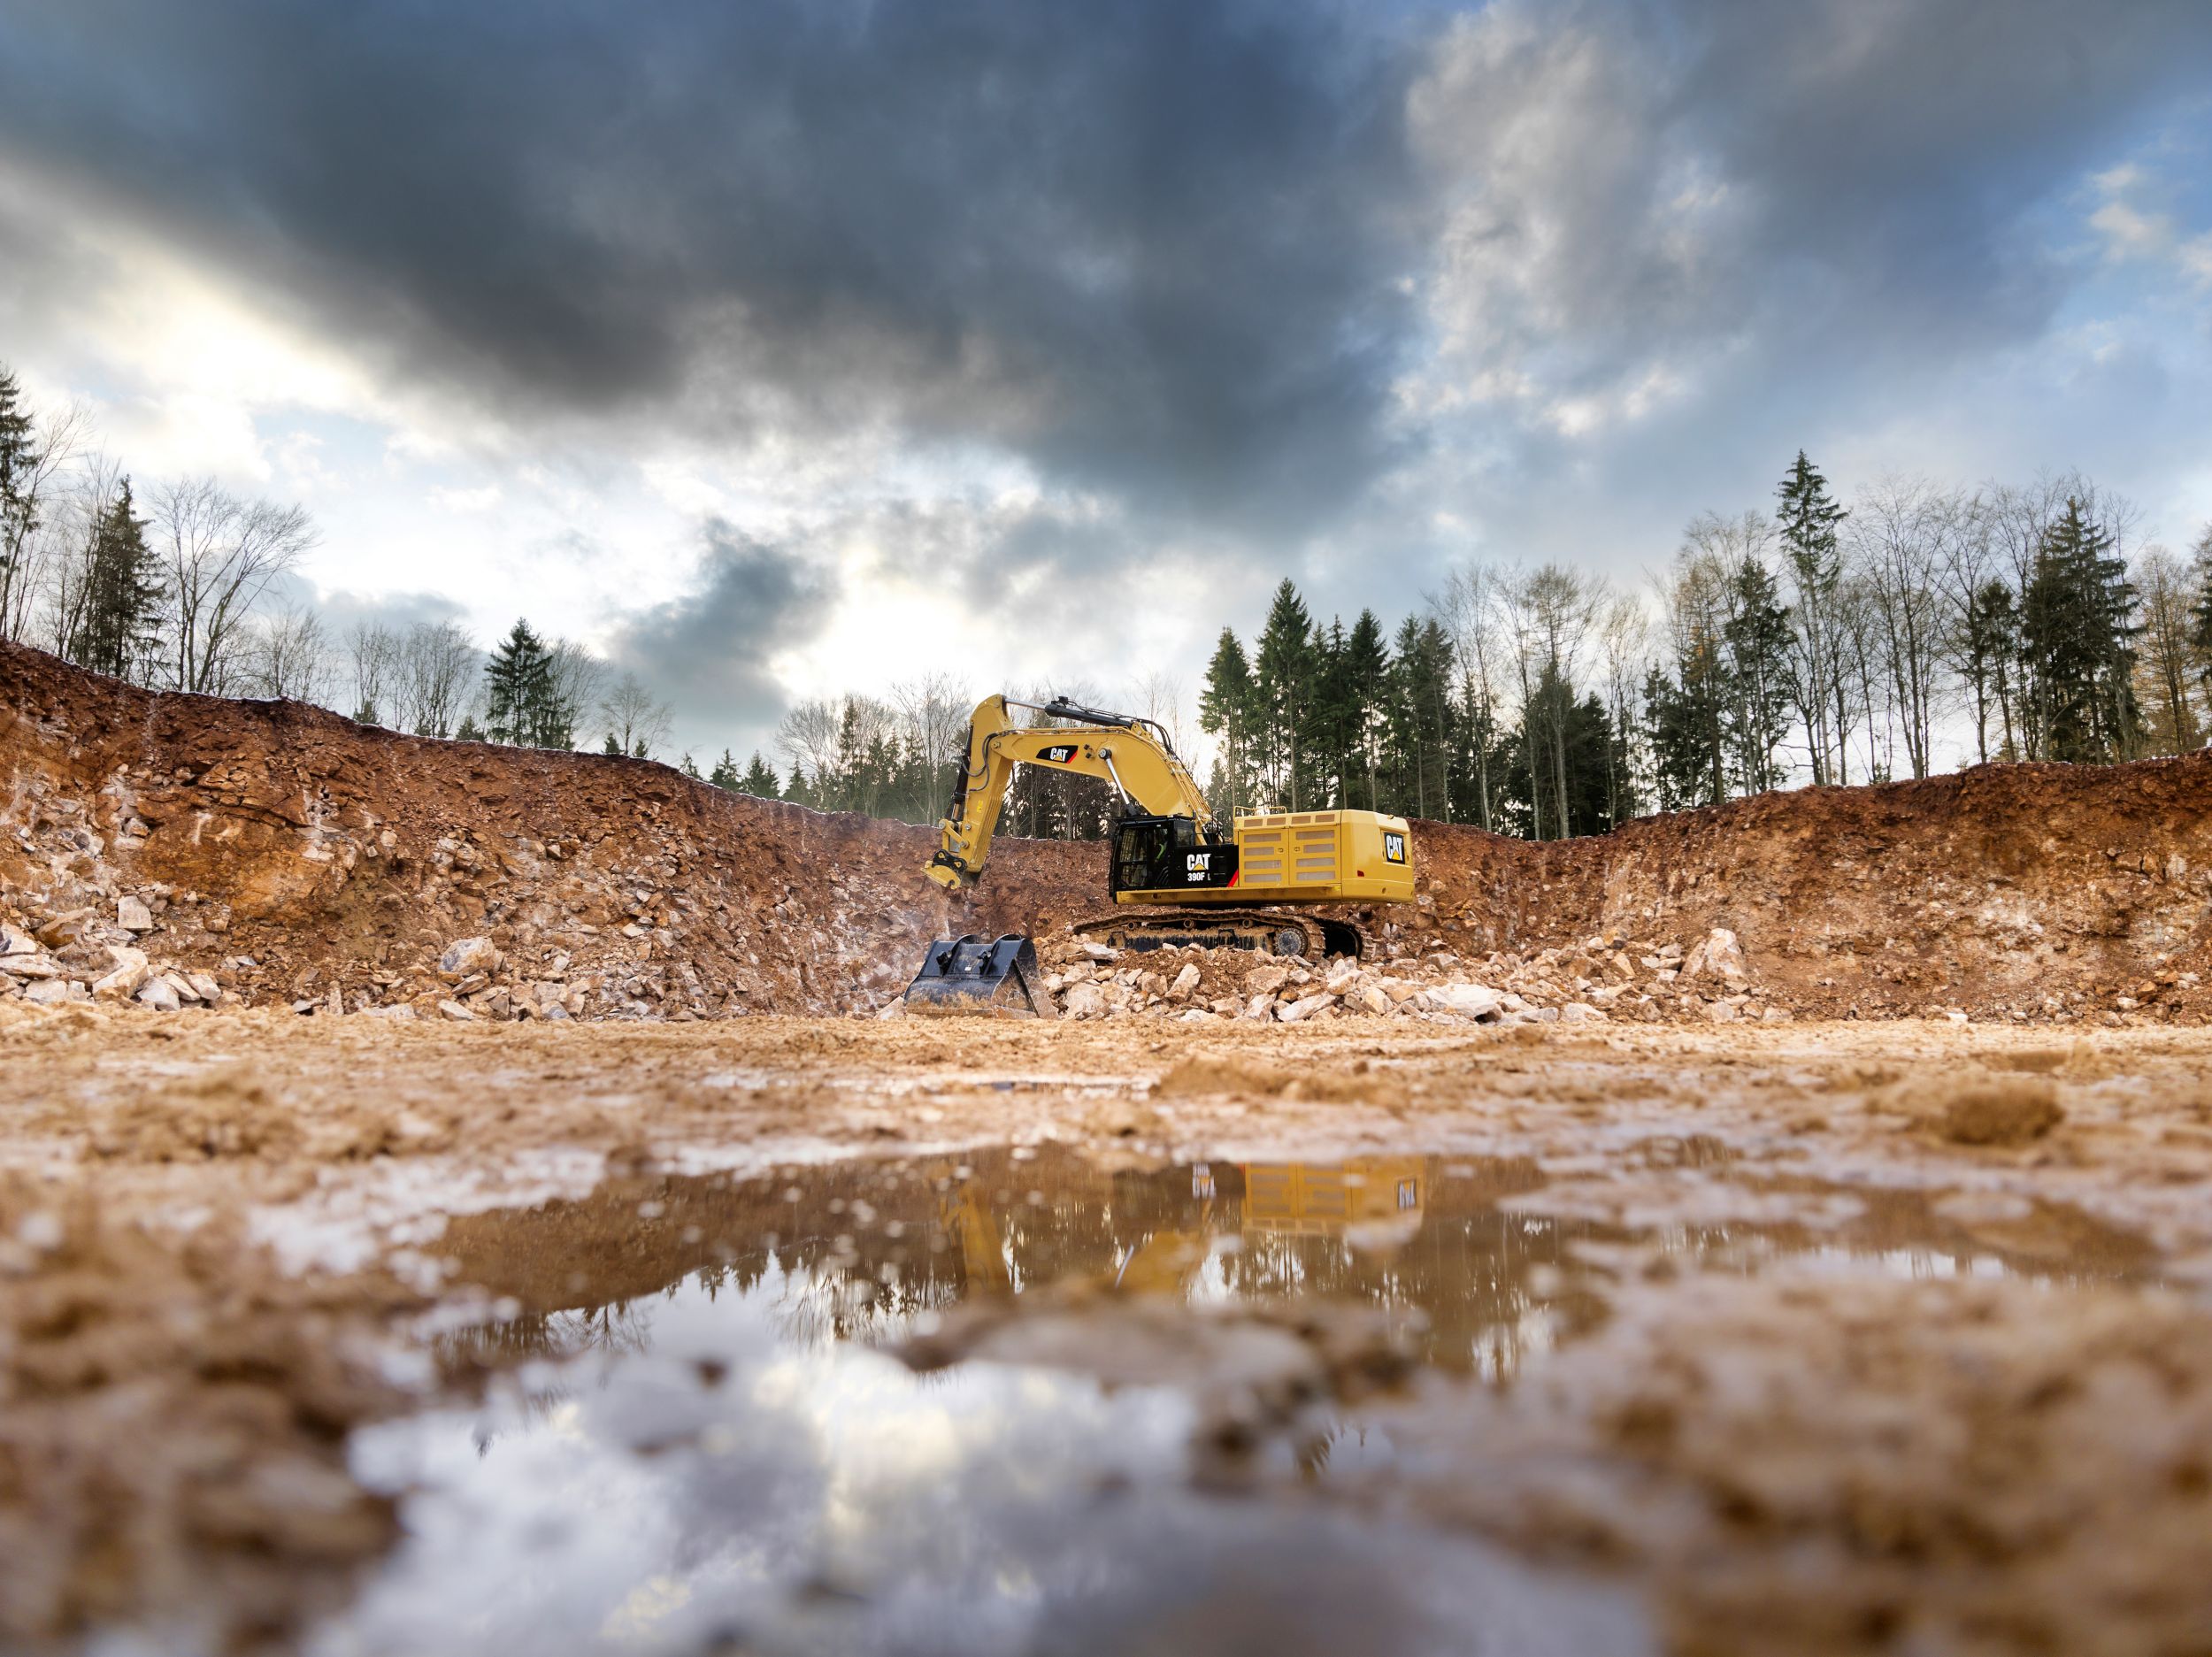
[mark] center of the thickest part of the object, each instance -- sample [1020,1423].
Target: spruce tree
[469,731]
[518,688]
[759,780]
[1989,651]
[1758,637]
[1283,679]
[613,746]
[119,627]
[19,464]
[2076,631]
[1366,671]
[1417,719]
[2200,612]
[1808,521]
[1228,712]
[1334,715]
[725,772]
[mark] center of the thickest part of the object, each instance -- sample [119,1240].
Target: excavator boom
[1120,748]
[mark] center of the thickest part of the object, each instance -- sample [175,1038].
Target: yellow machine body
[1307,857]
[1235,887]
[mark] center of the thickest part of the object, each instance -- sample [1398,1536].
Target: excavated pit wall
[295,856]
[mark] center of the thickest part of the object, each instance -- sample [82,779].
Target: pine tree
[1417,718]
[2200,612]
[690,768]
[759,780]
[469,731]
[119,627]
[1366,671]
[1228,712]
[2076,628]
[1283,679]
[519,689]
[1333,715]
[19,465]
[1758,637]
[725,772]
[1808,519]
[612,746]
[1989,649]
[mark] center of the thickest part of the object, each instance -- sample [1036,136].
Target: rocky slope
[179,849]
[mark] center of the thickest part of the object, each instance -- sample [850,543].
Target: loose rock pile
[77,936]
[1600,979]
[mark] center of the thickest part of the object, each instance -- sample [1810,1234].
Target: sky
[781,350]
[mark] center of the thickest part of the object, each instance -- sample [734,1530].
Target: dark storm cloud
[708,650]
[1150,244]
[1158,246]
[1852,180]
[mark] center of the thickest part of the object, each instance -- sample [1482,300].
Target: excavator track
[1283,932]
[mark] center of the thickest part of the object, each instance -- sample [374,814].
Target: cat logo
[1194,866]
[1394,847]
[1059,755]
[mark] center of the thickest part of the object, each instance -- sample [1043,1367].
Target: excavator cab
[1154,854]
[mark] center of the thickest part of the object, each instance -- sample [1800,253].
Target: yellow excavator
[1240,887]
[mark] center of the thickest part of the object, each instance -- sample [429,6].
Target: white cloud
[480,499]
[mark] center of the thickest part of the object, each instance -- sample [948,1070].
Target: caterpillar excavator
[1239,887]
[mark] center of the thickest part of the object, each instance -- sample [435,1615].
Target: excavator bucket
[968,975]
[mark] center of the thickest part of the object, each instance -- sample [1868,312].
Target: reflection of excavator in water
[1236,888]
[1375,1203]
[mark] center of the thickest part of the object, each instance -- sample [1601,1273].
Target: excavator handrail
[1061,707]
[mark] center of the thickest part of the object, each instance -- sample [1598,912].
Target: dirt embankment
[288,854]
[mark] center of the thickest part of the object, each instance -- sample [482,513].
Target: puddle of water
[692,1446]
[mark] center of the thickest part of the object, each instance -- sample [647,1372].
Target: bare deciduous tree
[288,657]
[220,553]
[437,676]
[68,538]
[577,677]
[372,650]
[936,707]
[30,543]
[1469,608]
[806,737]
[2165,659]
[1897,533]
[636,723]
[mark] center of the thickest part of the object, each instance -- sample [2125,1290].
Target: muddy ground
[1821,1336]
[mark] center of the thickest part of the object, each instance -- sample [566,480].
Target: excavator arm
[1130,754]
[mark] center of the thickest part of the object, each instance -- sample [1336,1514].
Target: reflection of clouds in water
[821,1499]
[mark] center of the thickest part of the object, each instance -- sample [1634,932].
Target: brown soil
[298,857]
[220,1230]
[175,1404]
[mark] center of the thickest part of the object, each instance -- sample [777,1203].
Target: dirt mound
[179,850]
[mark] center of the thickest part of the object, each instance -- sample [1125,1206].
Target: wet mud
[792,1335]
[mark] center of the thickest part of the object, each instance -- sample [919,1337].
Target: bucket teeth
[968,975]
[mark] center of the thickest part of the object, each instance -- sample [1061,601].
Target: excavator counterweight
[1236,887]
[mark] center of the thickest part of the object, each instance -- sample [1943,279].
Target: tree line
[1823,640]
[176,586]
